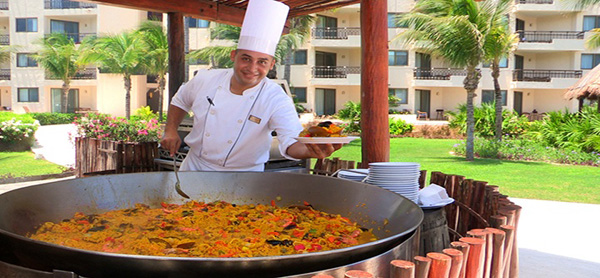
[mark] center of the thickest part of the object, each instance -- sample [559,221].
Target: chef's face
[250,67]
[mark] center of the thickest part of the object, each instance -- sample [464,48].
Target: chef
[235,110]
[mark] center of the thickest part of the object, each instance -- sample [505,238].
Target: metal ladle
[177,184]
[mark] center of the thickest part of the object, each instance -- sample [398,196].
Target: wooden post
[440,265]
[457,261]
[498,254]
[374,81]
[402,269]
[497,220]
[487,236]
[508,244]
[176,52]
[514,259]
[357,274]
[476,254]
[422,265]
[464,248]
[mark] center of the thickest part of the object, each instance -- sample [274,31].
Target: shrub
[485,117]
[525,149]
[399,127]
[48,118]
[105,127]
[16,135]
[144,114]
[351,113]
[24,118]
[578,132]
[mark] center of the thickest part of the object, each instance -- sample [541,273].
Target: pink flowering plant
[106,127]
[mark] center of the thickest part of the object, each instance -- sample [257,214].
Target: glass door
[423,101]
[325,101]
[518,102]
[72,101]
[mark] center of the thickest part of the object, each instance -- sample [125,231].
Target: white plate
[438,205]
[326,140]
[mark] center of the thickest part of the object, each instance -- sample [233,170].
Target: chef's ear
[272,63]
[232,55]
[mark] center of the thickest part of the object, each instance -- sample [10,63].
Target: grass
[519,179]
[23,164]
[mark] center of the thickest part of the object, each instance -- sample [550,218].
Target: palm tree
[122,54]
[218,56]
[499,43]
[156,59]
[61,59]
[454,30]
[299,32]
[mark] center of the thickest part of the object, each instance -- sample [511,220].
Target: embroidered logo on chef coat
[254,119]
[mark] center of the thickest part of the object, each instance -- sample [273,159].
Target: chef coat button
[207,134]
[239,121]
[212,112]
[229,141]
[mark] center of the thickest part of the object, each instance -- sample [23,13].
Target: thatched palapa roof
[587,87]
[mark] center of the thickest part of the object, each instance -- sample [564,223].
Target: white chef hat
[262,27]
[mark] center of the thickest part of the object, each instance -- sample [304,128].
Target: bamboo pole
[498,254]
[508,244]
[322,276]
[402,269]
[457,261]
[476,253]
[422,266]
[497,220]
[464,248]
[440,265]
[514,258]
[487,236]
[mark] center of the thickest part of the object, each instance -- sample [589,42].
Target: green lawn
[22,164]
[521,179]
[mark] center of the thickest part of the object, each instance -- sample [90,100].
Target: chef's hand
[171,142]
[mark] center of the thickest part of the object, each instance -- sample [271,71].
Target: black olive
[97,228]
[287,242]
[274,242]
[291,226]
[187,213]
[325,124]
[125,225]
[364,229]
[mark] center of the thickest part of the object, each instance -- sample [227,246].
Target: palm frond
[593,40]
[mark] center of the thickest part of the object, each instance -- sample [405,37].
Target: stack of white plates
[355,174]
[399,177]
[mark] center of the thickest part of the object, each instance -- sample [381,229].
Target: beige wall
[112,20]
[110,96]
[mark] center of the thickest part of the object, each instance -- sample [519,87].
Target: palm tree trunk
[471,82]
[498,99]
[127,81]
[161,89]
[64,97]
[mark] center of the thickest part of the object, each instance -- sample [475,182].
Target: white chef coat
[234,132]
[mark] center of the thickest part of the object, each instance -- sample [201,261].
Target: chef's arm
[171,140]
[301,151]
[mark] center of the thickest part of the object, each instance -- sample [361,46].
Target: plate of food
[324,133]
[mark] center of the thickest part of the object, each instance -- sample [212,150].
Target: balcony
[544,75]
[339,33]
[3,5]
[439,77]
[76,37]
[334,71]
[549,36]
[4,74]
[66,4]
[85,74]
[4,39]
[336,37]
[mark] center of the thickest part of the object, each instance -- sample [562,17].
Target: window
[397,58]
[401,94]
[27,24]
[299,57]
[591,22]
[26,60]
[299,94]
[487,96]
[28,95]
[503,63]
[198,23]
[392,20]
[69,28]
[589,61]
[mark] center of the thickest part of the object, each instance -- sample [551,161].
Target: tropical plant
[350,113]
[399,126]
[456,31]
[156,59]
[218,56]
[16,131]
[121,54]
[485,117]
[593,41]
[499,43]
[299,32]
[105,127]
[578,131]
[61,59]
